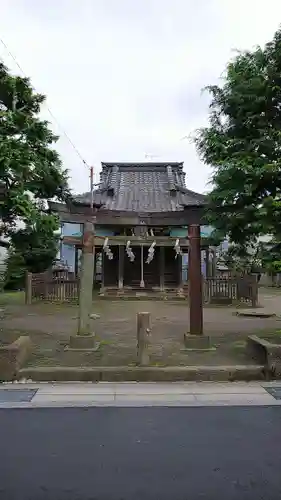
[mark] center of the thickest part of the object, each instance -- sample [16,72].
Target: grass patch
[9,336]
[273,336]
[7,298]
[105,342]
[276,333]
[239,344]
[270,290]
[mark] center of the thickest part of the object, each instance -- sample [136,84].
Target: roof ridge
[149,166]
[143,187]
[113,180]
[124,163]
[185,190]
[171,181]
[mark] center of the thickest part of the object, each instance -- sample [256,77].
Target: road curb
[144,374]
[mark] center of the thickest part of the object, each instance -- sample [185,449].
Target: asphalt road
[141,453]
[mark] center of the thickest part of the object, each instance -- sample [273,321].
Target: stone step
[143,294]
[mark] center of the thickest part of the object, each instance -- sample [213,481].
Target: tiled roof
[142,187]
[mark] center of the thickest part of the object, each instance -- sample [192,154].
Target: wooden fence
[229,290]
[64,287]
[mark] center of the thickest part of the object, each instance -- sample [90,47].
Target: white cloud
[124,78]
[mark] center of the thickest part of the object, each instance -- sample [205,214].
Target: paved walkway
[132,394]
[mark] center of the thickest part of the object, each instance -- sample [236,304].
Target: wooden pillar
[212,264]
[143,332]
[207,253]
[121,267]
[102,269]
[28,288]
[162,268]
[142,285]
[179,270]
[195,281]
[95,269]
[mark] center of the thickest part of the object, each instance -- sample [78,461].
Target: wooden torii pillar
[195,339]
[195,280]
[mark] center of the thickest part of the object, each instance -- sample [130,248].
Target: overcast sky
[124,77]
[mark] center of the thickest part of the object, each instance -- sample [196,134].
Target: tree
[38,244]
[32,249]
[30,170]
[14,276]
[271,256]
[30,173]
[241,259]
[243,145]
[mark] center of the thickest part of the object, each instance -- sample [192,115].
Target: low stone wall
[267,353]
[144,374]
[13,356]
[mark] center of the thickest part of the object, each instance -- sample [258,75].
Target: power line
[50,112]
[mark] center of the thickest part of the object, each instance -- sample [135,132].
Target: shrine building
[143,218]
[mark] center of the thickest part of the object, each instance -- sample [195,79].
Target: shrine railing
[63,287]
[229,290]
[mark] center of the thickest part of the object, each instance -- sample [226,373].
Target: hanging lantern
[177,248]
[129,252]
[150,253]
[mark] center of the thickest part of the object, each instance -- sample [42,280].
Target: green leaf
[242,145]
[30,169]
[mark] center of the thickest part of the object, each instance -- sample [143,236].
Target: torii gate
[193,338]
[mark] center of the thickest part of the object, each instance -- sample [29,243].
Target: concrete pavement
[29,395]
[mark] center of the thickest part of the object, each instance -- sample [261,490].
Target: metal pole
[92,189]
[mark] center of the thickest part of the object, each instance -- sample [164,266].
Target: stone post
[86,280]
[143,331]
[28,288]
[85,339]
